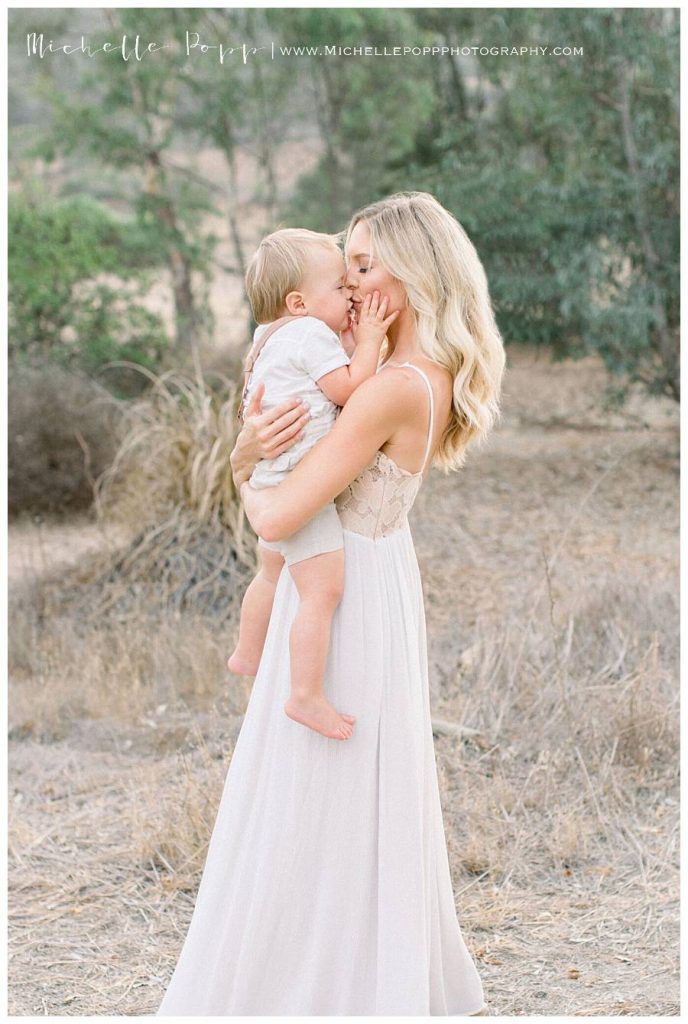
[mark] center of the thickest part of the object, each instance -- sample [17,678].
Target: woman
[326,889]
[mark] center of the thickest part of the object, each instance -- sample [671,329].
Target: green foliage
[567,181]
[364,123]
[124,116]
[57,306]
[563,169]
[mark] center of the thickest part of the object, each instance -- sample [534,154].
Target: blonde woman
[326,889]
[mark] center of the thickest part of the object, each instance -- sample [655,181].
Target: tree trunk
[328,112]
[157,122]
[665,342]
[266,143]
[186,319]
[458,88]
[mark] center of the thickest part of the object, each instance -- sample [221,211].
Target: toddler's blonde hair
[426,249]
[278,266]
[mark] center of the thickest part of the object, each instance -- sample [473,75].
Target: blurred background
[137,192]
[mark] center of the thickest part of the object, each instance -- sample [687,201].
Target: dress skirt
[326,888]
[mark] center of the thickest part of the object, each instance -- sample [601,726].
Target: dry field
[550,567]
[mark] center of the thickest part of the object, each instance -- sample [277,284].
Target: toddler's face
[325,292]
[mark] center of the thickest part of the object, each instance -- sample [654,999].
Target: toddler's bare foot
[241,666]
[317,713]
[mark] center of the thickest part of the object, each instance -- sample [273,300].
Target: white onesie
[291,361]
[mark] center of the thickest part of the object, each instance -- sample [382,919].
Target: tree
[576,220]
[368,110]
[122,115]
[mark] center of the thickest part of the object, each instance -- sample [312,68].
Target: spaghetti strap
[432,411]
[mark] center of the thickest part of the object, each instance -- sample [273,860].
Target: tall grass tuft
[170,487]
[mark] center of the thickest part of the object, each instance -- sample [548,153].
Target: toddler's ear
[295,304]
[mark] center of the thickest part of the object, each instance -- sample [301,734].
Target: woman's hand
[265,435]
[374,412]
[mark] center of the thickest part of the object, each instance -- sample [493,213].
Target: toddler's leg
[255,614]
[320,582]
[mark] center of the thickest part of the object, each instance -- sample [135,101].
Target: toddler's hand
[372,323]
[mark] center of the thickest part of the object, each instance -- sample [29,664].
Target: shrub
[60,306]
[62,435]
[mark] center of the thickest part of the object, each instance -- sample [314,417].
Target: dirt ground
[550,570]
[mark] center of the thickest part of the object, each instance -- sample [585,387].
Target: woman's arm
[367,421]
[265,435]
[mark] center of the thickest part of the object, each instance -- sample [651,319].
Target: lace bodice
[378,501]
[376,504]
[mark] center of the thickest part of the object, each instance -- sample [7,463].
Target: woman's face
[366,276]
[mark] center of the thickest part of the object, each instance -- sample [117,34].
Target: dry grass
[550,575]
[122,675]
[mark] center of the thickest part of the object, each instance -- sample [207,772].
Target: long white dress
[326,888]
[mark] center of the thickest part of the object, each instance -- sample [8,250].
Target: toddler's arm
[369,332]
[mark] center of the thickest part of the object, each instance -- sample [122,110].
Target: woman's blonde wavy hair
[426,249]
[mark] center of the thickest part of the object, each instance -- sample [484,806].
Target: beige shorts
[321,534]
